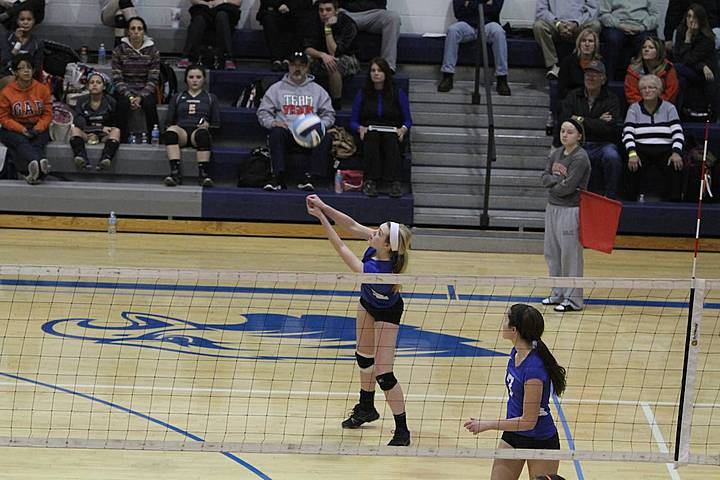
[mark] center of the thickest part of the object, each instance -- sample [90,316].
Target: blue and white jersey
[531,368]
[377,295]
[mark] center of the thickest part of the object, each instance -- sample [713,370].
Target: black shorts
[516,440]
[389,315]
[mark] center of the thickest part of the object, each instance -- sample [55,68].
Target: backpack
[252,94]
[57,56]
[75,81]
[255,169]
[61,123]
[692,160]
[343,144]
[168,85]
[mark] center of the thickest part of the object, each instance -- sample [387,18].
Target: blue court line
[568,435]
[452,294]
[182,432]
[335,293]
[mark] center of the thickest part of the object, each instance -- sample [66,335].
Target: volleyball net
[264,362]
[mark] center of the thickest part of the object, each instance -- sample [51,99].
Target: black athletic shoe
[359,416]
[400,439]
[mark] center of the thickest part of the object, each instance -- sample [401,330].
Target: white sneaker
[44,166]
[33,176]
[552,73]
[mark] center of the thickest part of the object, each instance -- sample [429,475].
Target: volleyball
[308,130]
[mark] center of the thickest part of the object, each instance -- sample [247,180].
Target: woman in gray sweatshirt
[567,171]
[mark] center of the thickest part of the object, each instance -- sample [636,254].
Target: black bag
[57,56]
[251,95]
[692,161]
[168,84]
[255,169]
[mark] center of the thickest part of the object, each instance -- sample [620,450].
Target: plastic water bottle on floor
[143,138]
[338,182]
[155,135]
[102,54]
[112,224]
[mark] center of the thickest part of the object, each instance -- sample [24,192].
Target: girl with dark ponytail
[379,313]
[532,375]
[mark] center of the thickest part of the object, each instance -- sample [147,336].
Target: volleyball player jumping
[532,374]
[378,315]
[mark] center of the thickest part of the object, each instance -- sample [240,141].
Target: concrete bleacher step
[471,217]
[478,136]
[503,159]
[480,120]
[474,176]
[458,200]
[467,73]
[523,95]
[477,240]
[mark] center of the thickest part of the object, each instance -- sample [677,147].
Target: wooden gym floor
[32,247]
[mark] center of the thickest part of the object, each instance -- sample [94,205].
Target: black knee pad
[203,141]
[386,381]
[120,21]
[123,4]
[76,142]
[169,137]
[365,363]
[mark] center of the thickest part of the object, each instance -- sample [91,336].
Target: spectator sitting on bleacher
[653,139]
[22,41]
[599,109]
[295,95]
[216,18]
[9,10]
[94,123]
[651,59]
[331,44]
[561,20]
[374,17]
[572,67]
[675,15]
[136,74]
[381,103]
[696,64]
[25,115]
[284,24]
[625,22]
[190,116]
[466,30]
[115,13]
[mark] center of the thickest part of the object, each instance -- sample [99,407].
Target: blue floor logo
[262,336]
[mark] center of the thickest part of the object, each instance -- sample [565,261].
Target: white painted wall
[418,16]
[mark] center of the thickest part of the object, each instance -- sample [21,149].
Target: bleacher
[447,172]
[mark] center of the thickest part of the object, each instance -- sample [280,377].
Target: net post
[689,375]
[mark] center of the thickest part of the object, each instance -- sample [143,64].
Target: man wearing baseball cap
[600,110]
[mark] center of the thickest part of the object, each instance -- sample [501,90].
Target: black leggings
[382,155]
[218,21]
[148,106]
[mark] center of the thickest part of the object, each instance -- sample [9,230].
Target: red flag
[599,218]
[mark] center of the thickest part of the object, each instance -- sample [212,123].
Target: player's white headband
[394,236]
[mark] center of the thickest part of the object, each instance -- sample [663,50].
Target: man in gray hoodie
[562,20]
[293,96]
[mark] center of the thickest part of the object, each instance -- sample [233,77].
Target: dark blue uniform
[187,111]
[382,301]
[93,121]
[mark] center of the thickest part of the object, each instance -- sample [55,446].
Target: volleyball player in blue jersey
[378,315]
[190,116]
[532,374]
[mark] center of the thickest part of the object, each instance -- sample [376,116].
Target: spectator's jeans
[462,32]
[546,34]
[281,141]
[148,106]
[689,78]
[617,55]
[384,22]
[382,156]
[607,167]
[24,150]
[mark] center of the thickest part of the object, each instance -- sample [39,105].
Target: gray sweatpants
[563,251]
[384,22]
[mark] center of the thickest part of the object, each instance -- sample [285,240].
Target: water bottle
[84,54]
[338,182]
[155,135]
[101,54]
[641,198]
[112,224]
[143,138]
[132,139]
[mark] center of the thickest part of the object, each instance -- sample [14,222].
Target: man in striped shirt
[654,140]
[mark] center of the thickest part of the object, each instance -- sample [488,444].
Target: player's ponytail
[530,326]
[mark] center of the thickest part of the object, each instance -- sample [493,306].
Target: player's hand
[401,133]
[279,123]
[606,116]
[362,131]
[676,161]
[107,130]
[136,102]
[476,426]
[283,8]
[634,163]
[332,20]
[314,201]
[708,74]
[559,169]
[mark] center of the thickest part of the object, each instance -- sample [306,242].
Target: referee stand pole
[482,54]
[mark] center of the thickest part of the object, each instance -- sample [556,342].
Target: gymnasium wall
[418,16]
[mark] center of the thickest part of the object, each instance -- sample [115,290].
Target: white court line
[315,393]
[659,439]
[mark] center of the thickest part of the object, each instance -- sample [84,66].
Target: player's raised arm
[341,220]
[345,253]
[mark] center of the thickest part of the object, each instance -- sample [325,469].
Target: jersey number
[191,109]
[509,381]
